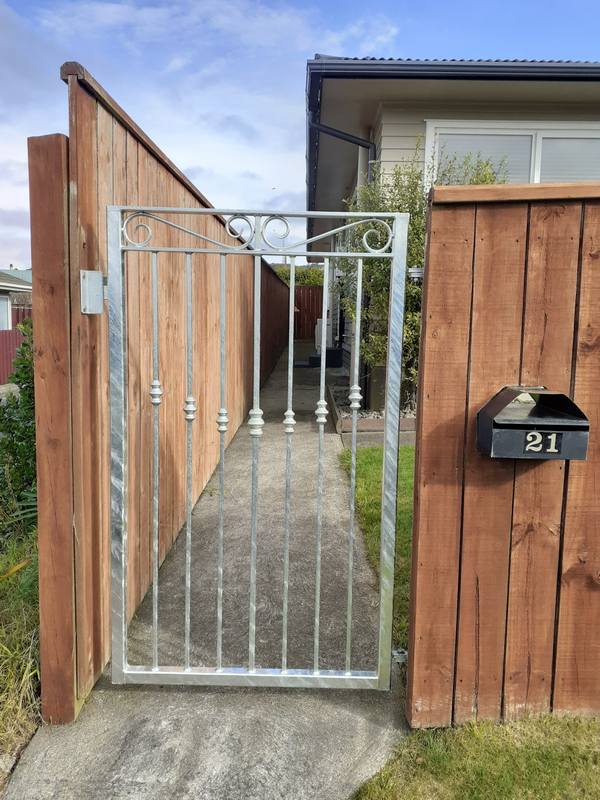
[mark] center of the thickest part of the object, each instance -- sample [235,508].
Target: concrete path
[269,573]
[224,744]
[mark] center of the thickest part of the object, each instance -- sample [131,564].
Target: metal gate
[360,238]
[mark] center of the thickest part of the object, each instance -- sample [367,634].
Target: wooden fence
[505,605]
[309,308]
[10,341]
[105,160]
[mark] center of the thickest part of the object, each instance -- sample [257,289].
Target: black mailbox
[532,422]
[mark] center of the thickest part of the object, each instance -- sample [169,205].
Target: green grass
[537,759]
[368,508]
[19,672]
[544,758]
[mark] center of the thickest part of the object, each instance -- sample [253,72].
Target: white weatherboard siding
[399,127]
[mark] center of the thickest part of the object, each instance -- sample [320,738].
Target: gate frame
[258,245]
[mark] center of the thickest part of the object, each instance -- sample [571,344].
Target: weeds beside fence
[19,620]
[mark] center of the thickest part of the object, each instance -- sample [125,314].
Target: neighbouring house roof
[546,67]
[13,280]
[579,78]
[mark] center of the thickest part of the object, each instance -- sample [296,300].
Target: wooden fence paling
[274,319]
[499,268]
[527,623]
[438,497]
[309,307]
[48,181]
[538,492]
[111,161]
[577,669]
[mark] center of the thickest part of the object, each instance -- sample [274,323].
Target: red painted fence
[9,342]
[309,305]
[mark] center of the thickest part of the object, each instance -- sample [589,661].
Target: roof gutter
[332,67]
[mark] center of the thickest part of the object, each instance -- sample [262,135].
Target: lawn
[544,758]
[537,759]
[368,509]
[19,676]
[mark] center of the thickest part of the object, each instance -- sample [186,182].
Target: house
[541,118]
[15,291]
[537,120]
[15,305]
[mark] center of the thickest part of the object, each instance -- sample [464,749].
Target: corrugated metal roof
[501,61]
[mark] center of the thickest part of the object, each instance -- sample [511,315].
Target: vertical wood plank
[134,409]
[48,191]
[499,269]
[577,676]
[106,188]
[550,301]
[438,497]
[84,359]
[145,325]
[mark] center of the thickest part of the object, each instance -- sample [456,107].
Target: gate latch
[92,291]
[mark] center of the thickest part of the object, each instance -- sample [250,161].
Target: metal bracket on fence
[400,656]
[92,291]
[416,273]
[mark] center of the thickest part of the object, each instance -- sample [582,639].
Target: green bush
[17,438]
[403,190]
[305,276]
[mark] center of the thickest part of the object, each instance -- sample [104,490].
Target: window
[570,159]
[513,153]
[530,152]
[5,313]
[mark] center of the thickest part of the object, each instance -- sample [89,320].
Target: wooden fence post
[48,188]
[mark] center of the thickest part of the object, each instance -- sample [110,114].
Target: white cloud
[178,63]
[218,85]
[247,23]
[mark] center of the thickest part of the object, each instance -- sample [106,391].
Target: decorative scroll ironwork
[262,232]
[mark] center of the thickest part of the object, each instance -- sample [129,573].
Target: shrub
[402,190]
[305,276]
[17,436]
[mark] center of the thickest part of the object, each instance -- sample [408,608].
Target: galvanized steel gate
[362,237]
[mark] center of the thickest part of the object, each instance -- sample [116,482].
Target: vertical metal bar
[156,393]
[255,423]
[355,397]
[390,446]
[288,427]
[222,423]
[321,414]
[189,410]
[117,333]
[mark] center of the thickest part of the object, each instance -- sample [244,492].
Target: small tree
[403,190]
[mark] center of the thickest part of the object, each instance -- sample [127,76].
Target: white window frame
[537,129]
[9,310]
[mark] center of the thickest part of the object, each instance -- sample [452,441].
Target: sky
[219,84]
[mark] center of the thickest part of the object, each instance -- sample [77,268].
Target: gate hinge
[400,656]
[92,284]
